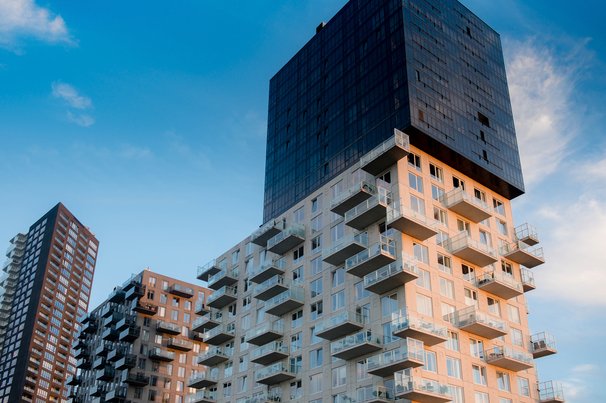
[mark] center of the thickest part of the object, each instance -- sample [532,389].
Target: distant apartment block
[140,344]
[45,287]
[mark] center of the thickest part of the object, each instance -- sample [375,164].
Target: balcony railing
[374,394]
[265,332]
[202,396]
[179,344]
[159,354]
[356,194]
[267,230]
[405,325]
[466,205]
[267,270]
[270,288]
[411,222]
[477,253]
[504,357]
[355,345]
[386,154]
[222,297]
[551,392]
[345,248]
[286,240]
[276,373]
[523,254]
[527,234]
[420,389]
[542,344]
[207,322]
[341,324]
[369,211]
[269,353]
[527,279]
[223,278]
[204,379]
[220,334]
[473,321]
[392,276]
[410,355]
[500,284]
[210,268]
[167,327]
[286,302]
[215,355]
[371,259]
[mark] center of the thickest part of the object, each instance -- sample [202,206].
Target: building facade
[139,344]
[429,68]
[389,267]
[45,288]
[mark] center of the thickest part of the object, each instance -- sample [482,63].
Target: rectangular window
[414,161]
[417,204]
[471,297]
[338,277]
[424,279]
[436,192]
[523,386]
[476,348]
[316,244]
[453,367]
[415,182]
[339,376]
[440,216]
[436,173]
[463,226]
[453,341]
[446,288]
[430,361]
[315,358]
[316,287]
[316,224]
[316,310]
[458,183]
[503,381]
[480,195]
[444,263]
[316,203]
[421,253]
[424,305]
[389,304]
[498,206]
[297,319]
[316,266]
[479,375]
[494,307]
[338,300]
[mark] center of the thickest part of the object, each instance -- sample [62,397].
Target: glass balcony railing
[386,246]
[399,140]
[268,269]
[293,230]
[353,341]
[383,197]
[270,348]
[276,369]
[294,296]
[374,393]
[202,396]
[276,327]
[542,344]
[497,278]
[476,322]
[407,265]
[420,388]
[404,325]
[412,350]
[224,291]
[498,353]
[361,239]
[551,391]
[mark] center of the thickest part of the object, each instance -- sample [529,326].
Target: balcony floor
[270,357]
[428,338]
[340,330]
[510,363]
[385,160]
[357,351]
[474,256]
[412,227]
[284,307]
[371,264]
[499,288]
[390,368]
[524,258]
[362,194]
[364,219]
[391,282]
[339,256]
[423,396]
[222,301]
[482,330]
[264,338]
[277,378]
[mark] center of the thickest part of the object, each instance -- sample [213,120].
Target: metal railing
[408,265]
[399,139]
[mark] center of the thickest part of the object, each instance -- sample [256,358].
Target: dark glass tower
[430,68]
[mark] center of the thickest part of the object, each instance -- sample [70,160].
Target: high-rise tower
[49,273]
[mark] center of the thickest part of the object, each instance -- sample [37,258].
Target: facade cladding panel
[430,68]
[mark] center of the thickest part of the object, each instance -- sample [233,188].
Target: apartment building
[389,266]
[45,288]
[139,345]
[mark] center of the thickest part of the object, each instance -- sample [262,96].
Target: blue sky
[133,113]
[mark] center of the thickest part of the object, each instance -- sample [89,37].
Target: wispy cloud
[77,103]
[25,19]
[542,82]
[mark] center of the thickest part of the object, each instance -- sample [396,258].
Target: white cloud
[81,119]
[541,84]
[70,95]
[24,18]
[585,368]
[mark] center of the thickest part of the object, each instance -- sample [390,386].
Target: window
[516,337]
[338,277]
[424,305]
[514,313]
[456,392]
[453,367]
[339,376]
[337,189]
[297,274]
[316,266]
[480,195]
[503,381]
[494,307]
[436,173]
[298,254]
[295,342]
[297,319]
[424,279]
[506,268]
[362,370]
[446,288]
[415,182]
[463,226]
[316,203]
[479,375]
[485,238]
[316,287]
[471,297]
[476,348]
[417,204]
[481,397]
[458,183]
[440,215]
[421,253]
[430,361]
[299,215]
[389,304]
[316,224]
[337,232]
[498,206]
[502,227]
[361,291]
[338,300]
[523,386]
[316,243]
[315,383]
[483,119]
[436,192]
[468,273]
[315,358]
[414,160]
[316,310]
[444,263]
[453,341]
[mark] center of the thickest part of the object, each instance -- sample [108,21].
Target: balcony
[181,290]
[527,233]
[551,392]
[271,352]
[90,326]
[134,290]
[223,278]
[466,205]
[81,353]
[130,334]
[527,280]
[406,326]
[208,269]
[102,349]
[275,373]
[117,295]
[118,394]
[158,354]
[74,380]
[203,379]
[98,390]
[110,334]
[374,394]
[270,288]
[168,328]
[500,284]
[507,358]
[135,378]
[420,389]
[410,355]
[223,297]
[353,196]
[355,345]
[345,248]
[145,308]
[411,222]
[340,325]
[201,308]
[523,254]
[265,232]
[392,276]
[207,322]
[179,344]
[285,302]
[369,211]
[475,322]
[265,397]
[286,240]
[203,396]
[107,310]
[542,344]
[117,352]
[265,332]
[84,363]
[462,246]
[267,270]
[376,256]
[214,356]
[126,321]
[220,334]
[105,374]
[386,154]
[127,362]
